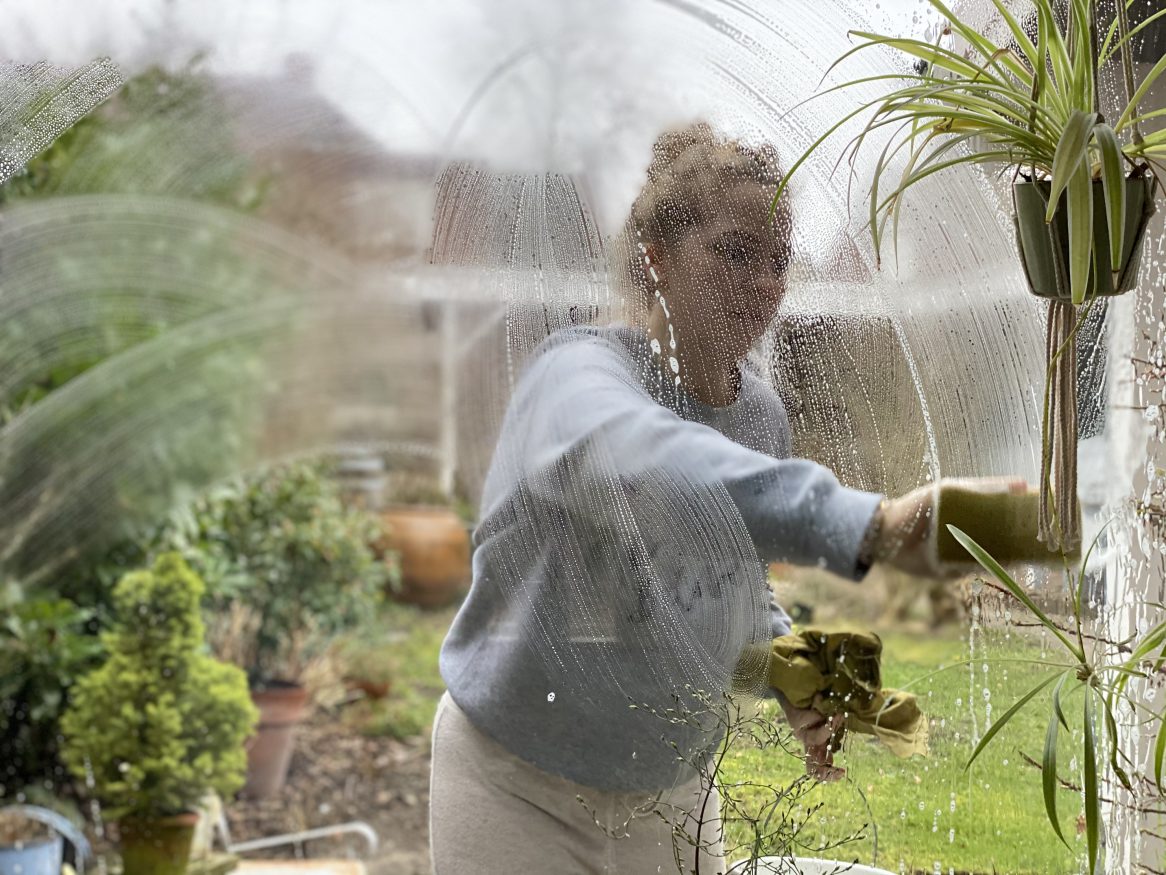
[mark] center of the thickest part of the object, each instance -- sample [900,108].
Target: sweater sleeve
[581,398]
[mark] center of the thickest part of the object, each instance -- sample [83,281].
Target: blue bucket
[39,857]
[43,856]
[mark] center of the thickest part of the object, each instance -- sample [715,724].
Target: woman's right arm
[580,401]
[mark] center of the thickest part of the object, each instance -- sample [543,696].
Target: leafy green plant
[1100,671]
[114,316]
[1031,105]
[45,646]
[286,564]
[160,722]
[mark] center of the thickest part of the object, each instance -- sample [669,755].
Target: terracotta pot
[156,846]
[281,707]
[371,689]
[434,551]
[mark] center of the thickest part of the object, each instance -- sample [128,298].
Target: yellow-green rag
[840,672]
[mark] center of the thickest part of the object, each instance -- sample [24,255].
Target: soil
[17,829]
[339,775]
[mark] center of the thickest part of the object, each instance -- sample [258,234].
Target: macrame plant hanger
[1060,509]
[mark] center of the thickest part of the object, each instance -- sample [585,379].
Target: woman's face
[725,278]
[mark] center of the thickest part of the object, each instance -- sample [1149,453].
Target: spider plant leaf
[1008,715]
[1113,185]
[1146,116]
[1058,712]
[1110,33]
[1018,34]
[978,41]
[1114,750]
[1080,205]
[1092,795]
[1153,639]
[1070,154]
[1049,765]
[784,182]
[1160,752]
[1081,57]
[920,174]
[993,567]
[1062,68]
[1140,92]
[1107,51]
[934,55]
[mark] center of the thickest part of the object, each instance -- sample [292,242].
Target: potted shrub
[1083,183]
[160,722]
[287,566]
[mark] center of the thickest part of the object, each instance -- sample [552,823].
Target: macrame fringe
[1060,514]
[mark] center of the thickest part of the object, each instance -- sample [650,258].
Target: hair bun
[670,145]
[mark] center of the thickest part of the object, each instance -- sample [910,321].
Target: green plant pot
[1044,247]
[156,846]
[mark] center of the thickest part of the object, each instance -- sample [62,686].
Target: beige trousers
[491,813]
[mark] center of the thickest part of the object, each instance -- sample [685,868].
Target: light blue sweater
[621,558]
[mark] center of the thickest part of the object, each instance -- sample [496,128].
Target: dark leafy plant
[45,646]
[287,565]
[160,722]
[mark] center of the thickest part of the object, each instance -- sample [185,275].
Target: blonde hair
[689,166]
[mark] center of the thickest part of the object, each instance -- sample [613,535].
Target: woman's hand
[817,733]
[905,537]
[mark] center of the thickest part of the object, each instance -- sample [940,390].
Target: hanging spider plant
[1030,105]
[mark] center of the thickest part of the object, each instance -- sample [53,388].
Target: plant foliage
[160,722]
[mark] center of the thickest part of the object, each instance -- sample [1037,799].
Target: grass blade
[1080,203]
[1070,154]
[1008,715]
[1092,793]
[992,566]
[1049,762]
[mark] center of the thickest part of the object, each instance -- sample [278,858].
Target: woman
[640,485]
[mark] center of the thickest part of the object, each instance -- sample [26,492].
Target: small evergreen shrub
[160,722]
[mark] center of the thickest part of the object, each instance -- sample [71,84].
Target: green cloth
[840,672]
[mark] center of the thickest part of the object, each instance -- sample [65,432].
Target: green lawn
[989,819]
[931,815]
